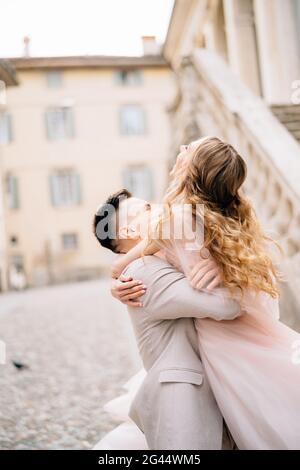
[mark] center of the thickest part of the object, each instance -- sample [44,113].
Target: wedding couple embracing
[218,368]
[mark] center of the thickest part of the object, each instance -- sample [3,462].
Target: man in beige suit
[175,407]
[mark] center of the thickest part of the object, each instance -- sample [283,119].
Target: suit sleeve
[169,295]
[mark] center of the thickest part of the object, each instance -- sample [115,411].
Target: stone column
[241,41]
[188,83]
[278,48]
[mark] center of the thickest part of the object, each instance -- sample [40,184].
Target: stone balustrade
[213,101]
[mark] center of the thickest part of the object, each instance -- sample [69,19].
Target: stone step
[288,108]
[296,134]
[292,126]
[289,116]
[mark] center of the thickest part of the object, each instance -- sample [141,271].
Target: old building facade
[8,78]
[73,131]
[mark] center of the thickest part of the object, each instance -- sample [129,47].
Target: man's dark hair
[105,212]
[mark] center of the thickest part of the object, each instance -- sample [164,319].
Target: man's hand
[206,273]
[128,290]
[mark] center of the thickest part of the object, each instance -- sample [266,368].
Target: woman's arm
[142,248]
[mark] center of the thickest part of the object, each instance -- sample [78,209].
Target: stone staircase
[211,100]
[289,116]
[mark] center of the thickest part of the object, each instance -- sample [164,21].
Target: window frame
[122,123]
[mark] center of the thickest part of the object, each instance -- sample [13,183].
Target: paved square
[79,348]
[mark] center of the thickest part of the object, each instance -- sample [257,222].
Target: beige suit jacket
[175,406]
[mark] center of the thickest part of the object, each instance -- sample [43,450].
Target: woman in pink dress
[252,361]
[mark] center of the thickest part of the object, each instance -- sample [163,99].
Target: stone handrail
[216,102]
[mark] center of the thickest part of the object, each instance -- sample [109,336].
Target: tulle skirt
[253,366]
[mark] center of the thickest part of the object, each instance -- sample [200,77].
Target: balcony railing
[213,101]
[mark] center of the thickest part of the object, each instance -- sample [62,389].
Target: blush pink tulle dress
[253,365]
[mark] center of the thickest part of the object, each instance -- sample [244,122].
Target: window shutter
[118,77]
[5,128]
[126,177]
[148,183]
[15,193]
[9,128]
[54,190]
[77,187]
[12,189]
[48,122]
[132,120]
[69,122]
[54,78]
[139,181]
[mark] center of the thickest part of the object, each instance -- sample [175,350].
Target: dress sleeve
[183,237]
[183,245]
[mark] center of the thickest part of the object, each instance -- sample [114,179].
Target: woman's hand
[205,273]
[127,290]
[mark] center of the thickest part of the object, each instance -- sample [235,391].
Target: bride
[249,360]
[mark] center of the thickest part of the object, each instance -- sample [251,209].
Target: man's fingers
[124,278]
[215,283]
[128,285]
[133,303]
[133,296]
[138,289]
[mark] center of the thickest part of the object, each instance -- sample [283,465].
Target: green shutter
[54,190]
[69,122]
[15,193]
[9,128]
[78,192]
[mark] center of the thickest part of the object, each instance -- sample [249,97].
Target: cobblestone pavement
[79,348]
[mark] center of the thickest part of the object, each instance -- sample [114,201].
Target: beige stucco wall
[3,283]
[98,153]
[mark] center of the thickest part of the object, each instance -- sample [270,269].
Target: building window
[16,274]
[65,189]
[138,180]
[128,77]
[60,123]
[12,192]
[132,120]
[69,241]
[17,262]
[14,240]
[5,128]
[54,78]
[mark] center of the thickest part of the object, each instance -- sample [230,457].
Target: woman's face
[185,151]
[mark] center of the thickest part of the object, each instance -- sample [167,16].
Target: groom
[175,407]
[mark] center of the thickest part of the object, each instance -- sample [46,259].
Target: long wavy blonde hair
[212,175]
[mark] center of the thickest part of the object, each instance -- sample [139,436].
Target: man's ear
[128,232]
[123,232]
